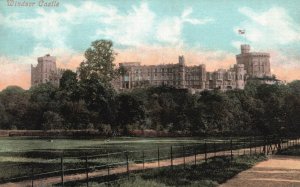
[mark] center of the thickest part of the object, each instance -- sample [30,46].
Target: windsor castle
[248,65]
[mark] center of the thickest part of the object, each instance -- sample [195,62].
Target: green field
[19,156]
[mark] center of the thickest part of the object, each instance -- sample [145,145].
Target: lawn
[21,156]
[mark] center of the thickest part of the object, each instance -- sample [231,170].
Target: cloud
[141,27]
[56,26]
[269,29]
[133,28]
[13,73]
[169,30]
[273,31]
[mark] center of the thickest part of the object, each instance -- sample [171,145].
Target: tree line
[87,100]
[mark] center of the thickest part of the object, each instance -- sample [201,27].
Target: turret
[245,48]
[181,71]
[181,60]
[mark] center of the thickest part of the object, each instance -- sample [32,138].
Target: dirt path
[132,167]
[278,171]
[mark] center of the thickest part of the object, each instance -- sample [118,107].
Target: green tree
[99,62]
[14,102]
[130,111]
[43,98]
[69,87]
[295,87]
[52,120]
[274,116]
[99,99]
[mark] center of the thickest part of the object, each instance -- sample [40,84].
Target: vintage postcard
[149,93]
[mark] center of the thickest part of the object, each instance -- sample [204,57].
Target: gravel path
[277,171]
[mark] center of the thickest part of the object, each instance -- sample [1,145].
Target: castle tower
[181,72]
[240,76]
[257,64]
[181,60]
[45,71]
[245,48]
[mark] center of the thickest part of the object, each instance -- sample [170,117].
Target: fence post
[158,156]
[293,142]
[244,146]
[231,155]
[224,143]
[143,160]
[32,175]
[238,147]
[215,149]
[62,169]
[265,142]
[107,164]
[195,152]
[205,150]
[87,170]
[127,163]
[250,143]
[254,141]
[171,156]
[183,154]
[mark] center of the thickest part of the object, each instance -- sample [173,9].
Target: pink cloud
[15,74]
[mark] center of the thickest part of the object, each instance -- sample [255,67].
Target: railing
[125,162]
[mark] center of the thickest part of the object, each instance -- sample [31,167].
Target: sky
[151,32]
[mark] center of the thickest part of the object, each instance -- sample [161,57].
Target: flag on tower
[241,31]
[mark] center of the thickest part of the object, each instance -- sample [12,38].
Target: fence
[125,162]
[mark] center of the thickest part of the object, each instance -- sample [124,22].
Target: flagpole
[243,33]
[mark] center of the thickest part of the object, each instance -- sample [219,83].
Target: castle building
[256,64]
[181,76]
[45,71]
[249,65]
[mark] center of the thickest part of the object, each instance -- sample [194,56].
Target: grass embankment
[212,173]
[291,151]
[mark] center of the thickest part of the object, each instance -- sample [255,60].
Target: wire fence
[127,162]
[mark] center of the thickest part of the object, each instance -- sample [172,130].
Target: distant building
[45,71]
[250,65]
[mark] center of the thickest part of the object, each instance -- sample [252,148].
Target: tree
[96,74]
[52,120]
[14,102]
[68,80]
[69,88]
[99,99]
[99,62]
[129,111]
[295,87]
[274,117]
[42,98]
